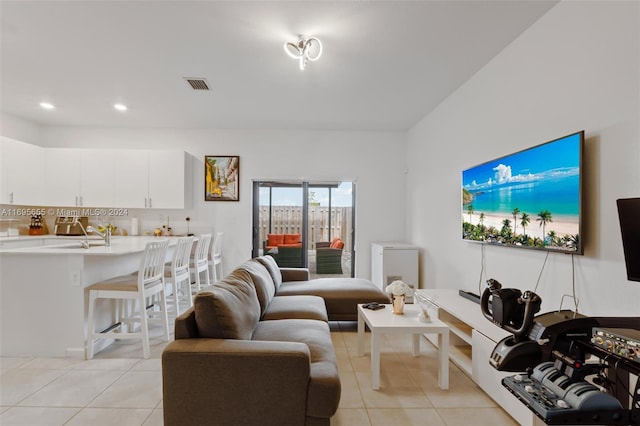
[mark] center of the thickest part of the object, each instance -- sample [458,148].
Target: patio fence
[288,220]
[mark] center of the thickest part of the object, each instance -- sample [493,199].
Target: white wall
[576,68]
[19,129]
[374,160]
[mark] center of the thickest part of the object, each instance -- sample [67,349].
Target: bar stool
[133,288]
[215,258]
[199,262]
[177,273]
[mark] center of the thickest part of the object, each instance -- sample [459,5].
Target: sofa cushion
[229,309]
[261,280]
[341,295]
[291,239]
[324,384]
[274,270]
[296,307]
[275,239]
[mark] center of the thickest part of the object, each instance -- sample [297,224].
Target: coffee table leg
[443,355]
[375,360]
[416,344]
[360,334]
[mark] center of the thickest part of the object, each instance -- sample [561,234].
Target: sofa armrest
[235,382]
[322,244]
[295,274]
[185,326]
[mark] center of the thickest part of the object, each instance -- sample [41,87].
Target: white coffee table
[384,321]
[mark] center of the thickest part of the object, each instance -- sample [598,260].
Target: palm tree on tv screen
[524,221]
[470,211]
[515,212]
[544,217]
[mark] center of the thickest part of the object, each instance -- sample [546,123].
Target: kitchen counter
[43,290]
[55,245]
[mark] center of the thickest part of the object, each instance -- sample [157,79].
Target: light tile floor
[120,388]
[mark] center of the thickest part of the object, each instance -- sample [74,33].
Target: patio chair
[329,257]
[289,257]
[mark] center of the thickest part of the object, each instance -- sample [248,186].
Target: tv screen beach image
[528,199]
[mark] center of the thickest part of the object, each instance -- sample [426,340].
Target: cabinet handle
[76,200]
[149,202]
[11,198]
[145,202]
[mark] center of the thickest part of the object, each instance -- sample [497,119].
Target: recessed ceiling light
[46,105]
[120,107]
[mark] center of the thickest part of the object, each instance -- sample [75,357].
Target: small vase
[397,304]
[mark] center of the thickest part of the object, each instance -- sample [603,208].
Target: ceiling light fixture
[46,105]
[120,107]
[304,50]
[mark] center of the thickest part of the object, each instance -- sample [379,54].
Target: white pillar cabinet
[394,261]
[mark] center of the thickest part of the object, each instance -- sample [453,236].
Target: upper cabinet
[150,179]
[79,177]
[22,178]
[62,171]
[131,179]
[166,179]
[32,175]
[97,168]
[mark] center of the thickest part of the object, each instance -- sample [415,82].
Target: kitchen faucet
[106,235]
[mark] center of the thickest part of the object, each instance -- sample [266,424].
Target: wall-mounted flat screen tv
[629,215]
[529,199]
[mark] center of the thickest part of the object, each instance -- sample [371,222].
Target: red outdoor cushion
[337,243]
[291,239]
[275,239]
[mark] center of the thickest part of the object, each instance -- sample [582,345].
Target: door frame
[304,185]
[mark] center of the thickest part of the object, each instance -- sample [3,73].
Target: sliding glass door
[305,224]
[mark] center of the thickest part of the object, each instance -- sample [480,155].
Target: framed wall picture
[221,178]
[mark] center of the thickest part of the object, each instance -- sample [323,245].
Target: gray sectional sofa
[256,349]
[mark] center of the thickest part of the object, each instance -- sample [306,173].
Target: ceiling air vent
[198,83]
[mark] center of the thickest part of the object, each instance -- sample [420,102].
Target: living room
[575,68]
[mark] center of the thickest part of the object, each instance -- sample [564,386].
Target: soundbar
[470,296]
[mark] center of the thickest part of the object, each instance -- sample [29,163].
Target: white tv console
[472,338]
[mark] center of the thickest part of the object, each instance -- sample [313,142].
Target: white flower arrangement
[399,288]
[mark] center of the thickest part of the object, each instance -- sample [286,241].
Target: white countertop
[54,245]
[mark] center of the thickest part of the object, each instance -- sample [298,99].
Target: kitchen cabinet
[22,179]
[166,179]
[150,179]
[74,177]
[97,168]
[62,170]
[79,177]
[131,179]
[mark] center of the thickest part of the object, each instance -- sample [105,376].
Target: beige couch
[246,354]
